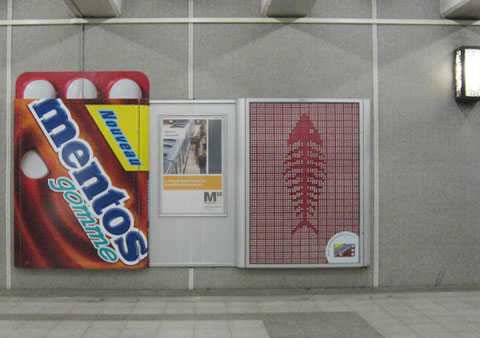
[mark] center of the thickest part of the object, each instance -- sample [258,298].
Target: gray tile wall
[40,9]
[56,9]
[342,9]
[45,48]
[155,9]
[149,279]
[227,8]
[429,145]
[252,8]
[3,12]
[408,9]
[429,156]
[160,51]
[233,61]
[226,278]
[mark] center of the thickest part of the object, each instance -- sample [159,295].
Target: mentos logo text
[95,202]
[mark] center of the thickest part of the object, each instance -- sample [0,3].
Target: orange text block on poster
[192,182]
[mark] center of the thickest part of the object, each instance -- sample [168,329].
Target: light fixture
[467,74]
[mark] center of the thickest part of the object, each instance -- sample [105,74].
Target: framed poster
[305,182]
[192,183]
[191,167]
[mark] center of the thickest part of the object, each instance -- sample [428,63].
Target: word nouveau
[111,228]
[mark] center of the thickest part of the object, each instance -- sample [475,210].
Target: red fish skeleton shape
[305,171]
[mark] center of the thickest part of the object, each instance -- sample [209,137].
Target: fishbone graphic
[305,171]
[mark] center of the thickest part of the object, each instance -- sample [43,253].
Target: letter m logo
[210,197]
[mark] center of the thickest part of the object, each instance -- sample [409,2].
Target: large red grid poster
[304,182]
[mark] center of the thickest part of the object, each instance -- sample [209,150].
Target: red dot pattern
[272,214]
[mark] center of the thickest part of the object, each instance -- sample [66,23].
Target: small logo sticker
[344,250]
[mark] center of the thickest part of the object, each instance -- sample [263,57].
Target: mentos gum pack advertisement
[81,170]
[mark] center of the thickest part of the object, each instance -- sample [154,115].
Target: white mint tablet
[39,89]
[33,165]
[82,89]
[125,89]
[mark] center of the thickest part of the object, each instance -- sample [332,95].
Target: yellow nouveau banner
[125,127]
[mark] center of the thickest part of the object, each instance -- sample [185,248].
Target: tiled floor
[419,314]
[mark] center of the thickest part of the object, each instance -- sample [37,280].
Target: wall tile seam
[375,211]
[8,147]
[234,20]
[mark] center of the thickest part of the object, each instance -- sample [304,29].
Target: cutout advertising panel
[81,170]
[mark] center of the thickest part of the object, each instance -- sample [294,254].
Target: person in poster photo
[202,160]
[199,136]
[197,162]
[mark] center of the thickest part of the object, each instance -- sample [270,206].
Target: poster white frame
[193,240]
[243,183]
